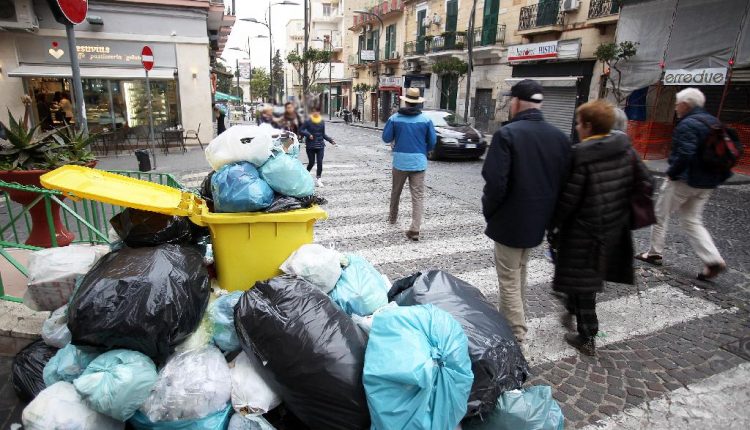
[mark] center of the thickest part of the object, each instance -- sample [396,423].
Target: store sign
[391,81]
[367,55]
[708,76]
[533,51]
[91,52]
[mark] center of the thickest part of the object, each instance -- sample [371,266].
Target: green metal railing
[87,219]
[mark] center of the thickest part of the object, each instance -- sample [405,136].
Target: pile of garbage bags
[256,169]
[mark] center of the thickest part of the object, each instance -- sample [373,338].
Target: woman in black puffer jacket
[592,218]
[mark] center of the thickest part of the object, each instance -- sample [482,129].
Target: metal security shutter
[559,107]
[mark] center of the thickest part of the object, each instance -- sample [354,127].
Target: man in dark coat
[689,186]
[523,171]
[593,218]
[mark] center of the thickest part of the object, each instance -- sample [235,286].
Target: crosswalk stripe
[637,314]
[379,208]
[425,249]
[539,271]
[380,227]
[693,406]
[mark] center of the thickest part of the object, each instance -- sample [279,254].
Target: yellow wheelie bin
[248,247]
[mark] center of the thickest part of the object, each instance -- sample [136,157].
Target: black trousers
[314,154]
[583,306]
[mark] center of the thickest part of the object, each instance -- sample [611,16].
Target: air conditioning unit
[18,14]
[570,5]
[436,19]
[389,71]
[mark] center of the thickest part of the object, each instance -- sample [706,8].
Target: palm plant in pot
[26,154]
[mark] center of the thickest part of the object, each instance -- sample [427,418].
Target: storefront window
[48,106]
[163,105]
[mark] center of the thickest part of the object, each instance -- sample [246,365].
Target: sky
[259,47]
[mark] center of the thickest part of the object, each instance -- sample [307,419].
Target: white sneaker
[318,183]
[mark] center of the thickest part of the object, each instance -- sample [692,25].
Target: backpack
[722,148]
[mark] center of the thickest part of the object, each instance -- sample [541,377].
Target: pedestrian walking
[220,116]
[314,131]
[590,230]
[67,107]
[688,186]
[291,120]
[523,171]
[266,116]
[412,135]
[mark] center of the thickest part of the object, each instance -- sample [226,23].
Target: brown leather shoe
[585,345]
[711,271]
[413,235]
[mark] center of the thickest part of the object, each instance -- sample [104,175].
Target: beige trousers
[511,264]
[416,187]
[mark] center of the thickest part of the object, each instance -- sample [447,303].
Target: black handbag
[641,200]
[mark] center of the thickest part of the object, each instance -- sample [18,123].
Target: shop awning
[90,72]
[223,97]
[561,81]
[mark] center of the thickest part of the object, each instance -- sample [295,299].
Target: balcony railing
[382,9]
[602,8]
[487,36]
[455,41]
[540,15]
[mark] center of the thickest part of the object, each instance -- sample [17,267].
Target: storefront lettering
[533,51]
[48,50]
[708,76]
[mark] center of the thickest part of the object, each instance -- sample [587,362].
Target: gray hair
[621,121]
[692,96]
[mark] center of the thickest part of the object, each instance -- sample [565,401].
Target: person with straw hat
[412,135]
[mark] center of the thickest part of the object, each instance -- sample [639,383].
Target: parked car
[455,140]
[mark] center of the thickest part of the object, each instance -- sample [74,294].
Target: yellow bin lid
[80,182]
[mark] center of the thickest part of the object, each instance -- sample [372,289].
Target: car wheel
[432,155]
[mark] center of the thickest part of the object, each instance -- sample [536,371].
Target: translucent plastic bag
[532,408]
[69,363]
[53,273]
[28,367]
[361,289]
[55,330]
[249,422]
[117,383]
[426,388]
[240,143]
[221,314]
[192,385]
[216,421]
[60,407]
[254,391]
[316,264]
[287,176]
[237,187]
[201,337]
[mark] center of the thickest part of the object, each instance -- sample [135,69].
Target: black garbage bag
[205,191]
[313,348]
[496,358]
[28,367]
[145,299]
[283,203]
[142,228]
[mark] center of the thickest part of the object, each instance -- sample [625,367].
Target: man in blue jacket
[525,167]
[688,186]
[413,136]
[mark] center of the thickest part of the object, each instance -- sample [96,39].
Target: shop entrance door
[448,92]
[484,108]
[559,107]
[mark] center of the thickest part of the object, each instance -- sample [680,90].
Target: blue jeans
[314,154]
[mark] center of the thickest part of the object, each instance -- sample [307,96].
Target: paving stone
[585,406]
[568,389]
[592,395]
[637,392]
[635,383]
[599,379]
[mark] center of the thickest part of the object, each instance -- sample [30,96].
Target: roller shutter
[559,107]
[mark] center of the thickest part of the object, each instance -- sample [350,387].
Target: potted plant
[26,154]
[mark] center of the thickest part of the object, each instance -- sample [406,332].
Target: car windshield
[441,119]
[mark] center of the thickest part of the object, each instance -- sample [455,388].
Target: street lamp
[270,37]
[377,59]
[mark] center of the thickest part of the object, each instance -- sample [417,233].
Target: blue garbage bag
[287,176]
[427,388]
[361,289]
[221,313]
[237,187]
[117,383]
[216,421]
[530,409]
[69,363]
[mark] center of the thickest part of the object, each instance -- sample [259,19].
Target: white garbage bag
[60,407]
[249,422]
[253,390]
[53,273]
[55,330]
[192,385]
[240,143]
[316,264]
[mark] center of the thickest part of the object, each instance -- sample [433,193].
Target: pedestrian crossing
[453,240]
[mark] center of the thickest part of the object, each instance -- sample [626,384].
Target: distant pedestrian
[413,136]
[523,171]
[266,116]
[220,118]
[591,223]
[66,106]
[314,131]
[688,186]
[291,120]
[356,114]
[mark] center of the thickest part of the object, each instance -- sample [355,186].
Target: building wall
[11,89]
[195,93]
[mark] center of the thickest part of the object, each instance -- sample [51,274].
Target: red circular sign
[74,10]
[147,58]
